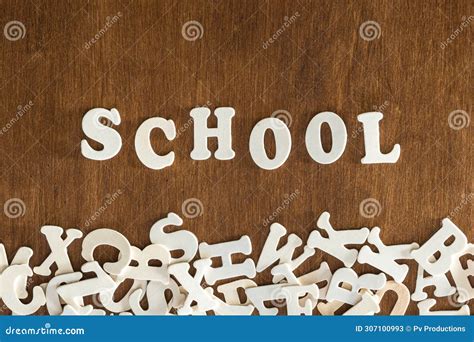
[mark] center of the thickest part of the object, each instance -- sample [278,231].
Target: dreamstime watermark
[288,21]
[288,198]
[103,298]
[44,330]
[381,108]
[279,296]
[356,131]
[109,199]
[189,122]
[192,208]
[284,116]
[466,199]
[14,208]
[378,108]
[208,104]
[109,22]
[459,119]
[21,110]
[459,298]
[466,21]
[370,30]
[184,127]
[14,30]
[370,208]
[192,30]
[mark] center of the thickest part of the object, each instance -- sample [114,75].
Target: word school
[111,140]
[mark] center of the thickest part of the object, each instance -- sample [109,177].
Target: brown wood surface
[144,67]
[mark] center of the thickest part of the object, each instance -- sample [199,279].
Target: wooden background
[143,66]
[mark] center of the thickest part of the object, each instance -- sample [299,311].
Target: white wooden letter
[106,236]
[313,138]
[384,260]
[370,123]
[180,240]
[337,239]
[270,253]
[107,136]
[58,248]
[437,243]
[224,251]
[461,275]
[143,147]
[222,132]
[282,143]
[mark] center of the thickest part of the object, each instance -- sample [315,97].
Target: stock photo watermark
[47,329]
[14,208]
[459,119]
[465,23]
[20,112]
[370,30]
[284,116]
[192,208]
[183,128]
[288,198]
[378,108]
[466,199]
[109,199]
[192,30]
[109,22]
[14,30]
[370,208]
[288,21]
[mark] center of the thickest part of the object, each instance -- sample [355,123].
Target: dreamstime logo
[21,110]
[192,208]
[459,298]
[370,208]
[284,116]
[283,205]
[370,30]
[109,22]
[466,199]
[382,107]
[378,108]
[184,128]
[288,21]
[109,199]
[357,131]
[459,119]
[192,30]
[279,296]
[464,25]
[14,30]
[103,298]
[14,208]
[189,122]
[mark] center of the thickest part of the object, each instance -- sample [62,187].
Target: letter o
[282,142]
[313,138]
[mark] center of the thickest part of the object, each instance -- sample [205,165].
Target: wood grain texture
[142,65]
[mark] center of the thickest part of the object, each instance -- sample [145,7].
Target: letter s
[107,136]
